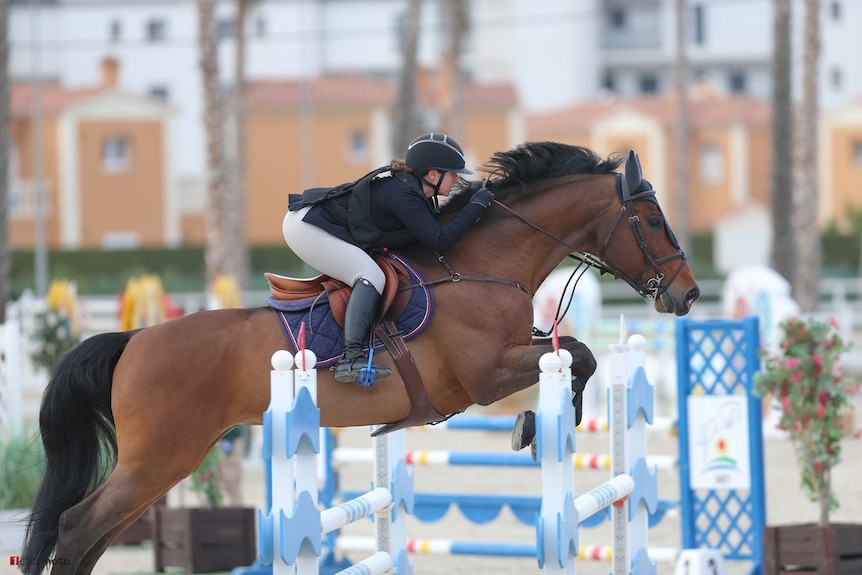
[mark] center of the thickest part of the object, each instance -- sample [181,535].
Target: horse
[128,415]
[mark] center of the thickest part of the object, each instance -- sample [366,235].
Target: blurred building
[107,179]
[108,175]
[321,87]
[334,128]
[729,151]
[555,52]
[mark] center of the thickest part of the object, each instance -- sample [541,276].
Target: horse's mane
[533,161]
[543,160]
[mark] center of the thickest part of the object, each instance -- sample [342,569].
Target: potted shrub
[805,381]
[21,464]
[56,331]
[207,538]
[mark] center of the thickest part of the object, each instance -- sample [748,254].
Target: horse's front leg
[583,367]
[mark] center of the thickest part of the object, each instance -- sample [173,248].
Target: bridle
[653,287]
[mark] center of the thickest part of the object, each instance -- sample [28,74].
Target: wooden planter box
[799,549]
[204,539]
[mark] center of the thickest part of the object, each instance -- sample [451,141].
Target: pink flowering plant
[804,379]
[205,481]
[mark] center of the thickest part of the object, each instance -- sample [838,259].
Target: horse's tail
[77,429]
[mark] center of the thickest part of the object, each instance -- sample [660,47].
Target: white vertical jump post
[12,349]
[561,512]
[631,404]
[290,530]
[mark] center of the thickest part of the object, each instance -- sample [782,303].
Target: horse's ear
[634,173]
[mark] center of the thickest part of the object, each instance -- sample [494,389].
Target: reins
[651,289]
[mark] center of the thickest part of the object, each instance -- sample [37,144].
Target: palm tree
[236,253]
[783,251]
[216,240]
[452,99]
[5,259]
[405,111]
[681,225]
[806,192]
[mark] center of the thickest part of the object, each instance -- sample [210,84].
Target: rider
[336,234]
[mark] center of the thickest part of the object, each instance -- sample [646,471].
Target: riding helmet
[436,152]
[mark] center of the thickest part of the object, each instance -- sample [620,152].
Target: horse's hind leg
[89,527]
[95,553]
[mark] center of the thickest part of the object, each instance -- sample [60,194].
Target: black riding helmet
[435,152]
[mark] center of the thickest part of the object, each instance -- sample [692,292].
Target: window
[358,147]
[115,154]
[857,154]
[738,83]
[121,240]
[115,30]
[156,30]
[260,27]
[12,179]
[428,119]
[400,28]
[225,28]
[648,84]
[609,82]
[836,78]
[835,10]
[160,91]
[698,25]
[711,164]
[617,18]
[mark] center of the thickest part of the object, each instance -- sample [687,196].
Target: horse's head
[607,220]
[640,247]
[604,219]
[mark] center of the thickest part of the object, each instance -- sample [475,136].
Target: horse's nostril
[693,294]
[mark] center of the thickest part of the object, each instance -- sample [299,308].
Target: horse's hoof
[578,386]
[524,430]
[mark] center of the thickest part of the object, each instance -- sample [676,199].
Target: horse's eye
[654,221]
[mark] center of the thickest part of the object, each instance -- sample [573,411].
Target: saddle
[396,294]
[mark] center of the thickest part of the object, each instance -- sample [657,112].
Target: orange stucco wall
[131,200]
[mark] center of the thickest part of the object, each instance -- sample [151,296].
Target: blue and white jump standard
[291,529]
[561,512]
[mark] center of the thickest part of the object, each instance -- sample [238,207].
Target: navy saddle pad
[325,337]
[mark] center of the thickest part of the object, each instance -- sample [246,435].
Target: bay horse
[152,402]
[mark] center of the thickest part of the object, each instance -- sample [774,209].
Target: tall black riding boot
[359,319]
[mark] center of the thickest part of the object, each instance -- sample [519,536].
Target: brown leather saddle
[396,296]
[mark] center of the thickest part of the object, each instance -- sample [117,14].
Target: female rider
[335,231]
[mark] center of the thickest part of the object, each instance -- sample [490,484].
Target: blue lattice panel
[720,358]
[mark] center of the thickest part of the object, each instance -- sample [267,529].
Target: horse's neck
[567,211]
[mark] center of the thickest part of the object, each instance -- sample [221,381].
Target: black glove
[483,197]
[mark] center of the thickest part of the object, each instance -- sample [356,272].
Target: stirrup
[350,370]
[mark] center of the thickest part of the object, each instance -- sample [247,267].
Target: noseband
[653,287]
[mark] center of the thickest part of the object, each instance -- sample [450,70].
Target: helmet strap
[436,188]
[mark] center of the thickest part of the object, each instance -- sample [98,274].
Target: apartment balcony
[24,199]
